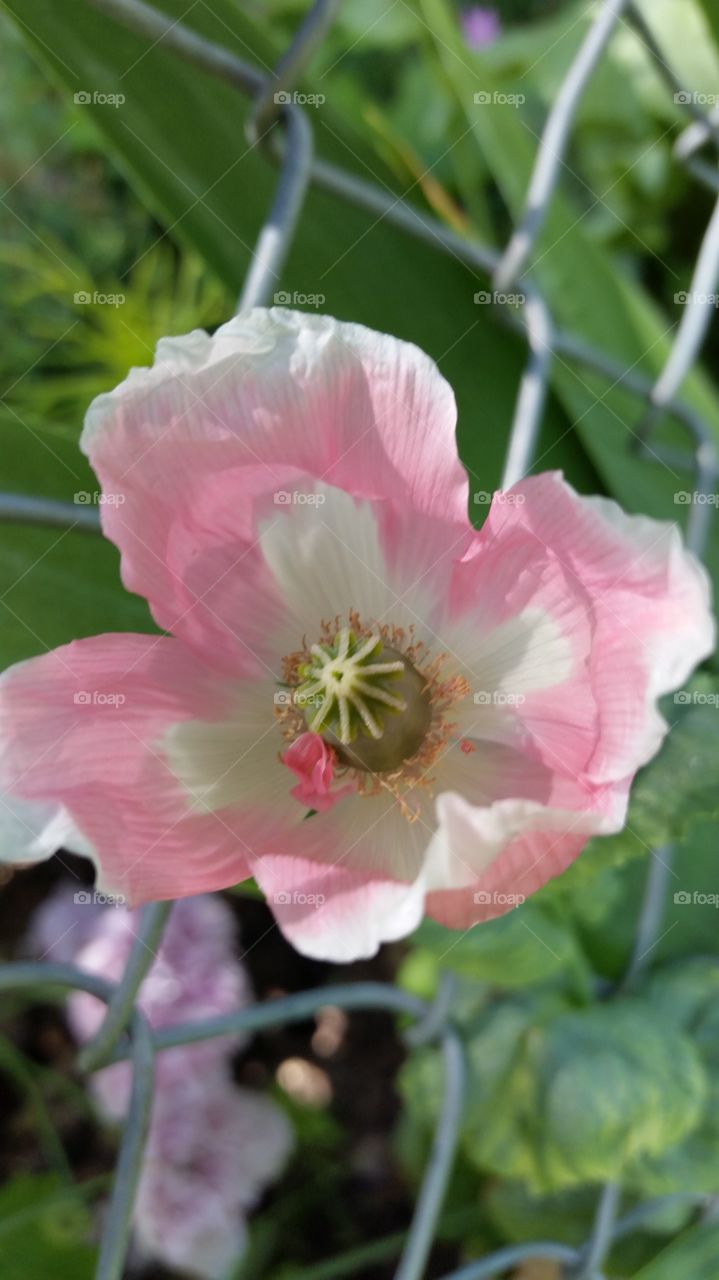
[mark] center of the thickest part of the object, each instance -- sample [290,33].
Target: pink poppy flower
[288,497]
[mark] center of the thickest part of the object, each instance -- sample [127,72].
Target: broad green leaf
[44,1230]
[692,1257]
[686,993]
[682,783]
[566,1216]
[684,30]
[690,919]
[560,1099]
[615,1088]
[55,585]
[529,945]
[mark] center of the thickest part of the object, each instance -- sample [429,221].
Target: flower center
[365,699]
[378,699]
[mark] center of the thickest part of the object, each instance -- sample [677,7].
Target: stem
[600,1243]
[116,1235]
[436,1178]
[118,1224]
[651,913]
[295,1008]
[555,137]
[98,1051]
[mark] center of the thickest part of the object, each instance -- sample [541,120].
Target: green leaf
[615,1088]
[692,1257]
[686,993]
[566,1216]
[55,585]
[684,29]
[559,1099]
[528,945]
[44,1230]
[690,918]
[682,783]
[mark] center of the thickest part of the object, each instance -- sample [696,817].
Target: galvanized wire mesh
[281,129]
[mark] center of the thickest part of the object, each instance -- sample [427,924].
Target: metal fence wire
[280,128]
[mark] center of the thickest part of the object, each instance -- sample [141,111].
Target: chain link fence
[281,129]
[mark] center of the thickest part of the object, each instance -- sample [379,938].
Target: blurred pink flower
[481,26]
[212,1147]
[196,975]
[287,494]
